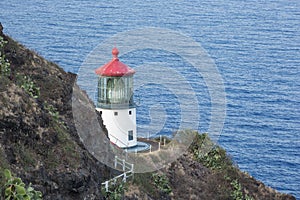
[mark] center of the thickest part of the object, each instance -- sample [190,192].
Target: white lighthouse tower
[115,101]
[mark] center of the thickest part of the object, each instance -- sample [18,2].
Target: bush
[29,86]
[52,111]
[215,158]
[161,181]
[237,193]
[15,189]
[4,64]
[115,191]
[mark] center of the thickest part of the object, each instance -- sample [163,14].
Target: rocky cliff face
[40,144]
[194,176]
[38,139]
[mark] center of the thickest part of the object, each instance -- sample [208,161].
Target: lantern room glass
[115,91]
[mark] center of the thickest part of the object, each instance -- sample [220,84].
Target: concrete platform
[140,147]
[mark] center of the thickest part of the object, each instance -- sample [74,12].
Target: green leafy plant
[4,64]
[115,191]
[215,158]
[29,86]
[237,193]
[15,189]
[161,181]
[144,180]
[52,111]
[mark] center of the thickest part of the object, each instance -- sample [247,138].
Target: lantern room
[115,84]
[115,101]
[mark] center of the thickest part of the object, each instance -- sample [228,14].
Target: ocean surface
[255,46]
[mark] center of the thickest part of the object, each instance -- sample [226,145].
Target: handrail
[117,140]
[126,174]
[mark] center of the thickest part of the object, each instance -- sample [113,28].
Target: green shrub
[52,111]
[15,189]
[237,193]
[215,159]
[161,181]
[143,180]
[115,191]
[4,64]
[29,86]
[156,185]
[209,154]
[54,114]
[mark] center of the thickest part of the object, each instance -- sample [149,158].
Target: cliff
[38,139]
[196,176]
[39,143]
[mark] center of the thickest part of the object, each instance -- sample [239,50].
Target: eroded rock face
[38,138]
[189,179]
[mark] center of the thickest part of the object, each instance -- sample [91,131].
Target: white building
[115,101]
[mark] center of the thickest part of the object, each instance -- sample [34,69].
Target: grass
[65,151]
[161,182]
[3,165]
[221,164]
[26,156]
[155,184]
[143,181]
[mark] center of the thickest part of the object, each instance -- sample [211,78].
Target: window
[120,90]
[109,88]
[130,112]
[130,135]
[116,113]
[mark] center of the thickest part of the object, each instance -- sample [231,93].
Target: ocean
[254,45]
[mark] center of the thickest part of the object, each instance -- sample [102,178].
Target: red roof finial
[115,52]
[115,67]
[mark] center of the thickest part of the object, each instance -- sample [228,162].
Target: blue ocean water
[255,45]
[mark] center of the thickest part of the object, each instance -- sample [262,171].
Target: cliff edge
[38,138]
[39,143]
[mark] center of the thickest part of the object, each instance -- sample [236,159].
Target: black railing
[116,105]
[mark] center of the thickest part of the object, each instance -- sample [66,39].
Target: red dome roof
[114,67]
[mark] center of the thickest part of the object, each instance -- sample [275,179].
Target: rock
[180,172]
[37,147]
[1,29]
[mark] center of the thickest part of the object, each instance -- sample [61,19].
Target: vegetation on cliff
[201,174]
[38,139]
[39,143]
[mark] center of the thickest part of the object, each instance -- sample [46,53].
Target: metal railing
[117,140]
[127,169]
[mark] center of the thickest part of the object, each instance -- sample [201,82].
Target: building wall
[118,123]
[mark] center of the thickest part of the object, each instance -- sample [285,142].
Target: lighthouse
[115,101]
